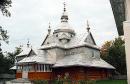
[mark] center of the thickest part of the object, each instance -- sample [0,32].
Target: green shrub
[40,82]
[87,82]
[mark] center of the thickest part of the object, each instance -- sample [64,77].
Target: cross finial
[88,28]
[49,25]
[49,28]
[64,17]
[28,43]
[64,6]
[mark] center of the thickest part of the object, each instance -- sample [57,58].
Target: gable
[44,40]
[49,39]
[90,39]
[31,53]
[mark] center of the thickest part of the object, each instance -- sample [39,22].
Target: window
[93,55]
[19,68]
[71,35]
[43,67]
[47,68]
[25,68]
[57,35]
[38,67]
[47,42]
[30,68]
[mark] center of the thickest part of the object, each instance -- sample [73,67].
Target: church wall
[81,73]
[19,75]
[90,52]
[60,73]
[39,75]
[54,54]
[36,75]
[75,73]
[50,55]
[59,53]
[75,51]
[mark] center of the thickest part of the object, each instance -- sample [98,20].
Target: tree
[4,5]
[105,49]
[12,55]
[6,62]
[115,55]
[3,37]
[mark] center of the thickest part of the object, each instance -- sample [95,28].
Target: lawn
[111,82]
[84,82]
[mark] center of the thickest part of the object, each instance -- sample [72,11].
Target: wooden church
[63,53]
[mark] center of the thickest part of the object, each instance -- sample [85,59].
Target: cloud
[30,19]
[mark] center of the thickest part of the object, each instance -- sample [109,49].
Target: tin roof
[13,68]
[77,40]
[25,51]
[38,58]
[82,60]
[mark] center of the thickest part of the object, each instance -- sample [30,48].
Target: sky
[30,19]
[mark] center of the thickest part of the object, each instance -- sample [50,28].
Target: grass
[111,82]
[85,82]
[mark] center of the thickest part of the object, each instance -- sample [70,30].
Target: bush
[87,82]
[63,82]
[40,82]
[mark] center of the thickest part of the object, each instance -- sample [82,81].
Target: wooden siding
[36,75]
[18,75]
[80,73]
[75,73]
[39,75]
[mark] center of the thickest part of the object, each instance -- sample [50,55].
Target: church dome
[64,25]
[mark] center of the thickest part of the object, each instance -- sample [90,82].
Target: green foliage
[3,35]
[6,62]
[40,82]
[4,5]
[116,55]
[11,55]
[111,82]
[81,82]
[63,82]
[87,82]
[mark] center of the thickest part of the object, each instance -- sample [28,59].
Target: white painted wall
[126,26]
[127,46]
[25,74]
[128,9]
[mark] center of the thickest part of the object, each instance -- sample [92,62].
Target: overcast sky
[30,19]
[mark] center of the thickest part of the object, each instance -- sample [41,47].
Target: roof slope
[25,51]
[77,40]
[82,60]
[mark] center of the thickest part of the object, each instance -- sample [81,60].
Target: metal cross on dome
[64,6]
[88,27]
